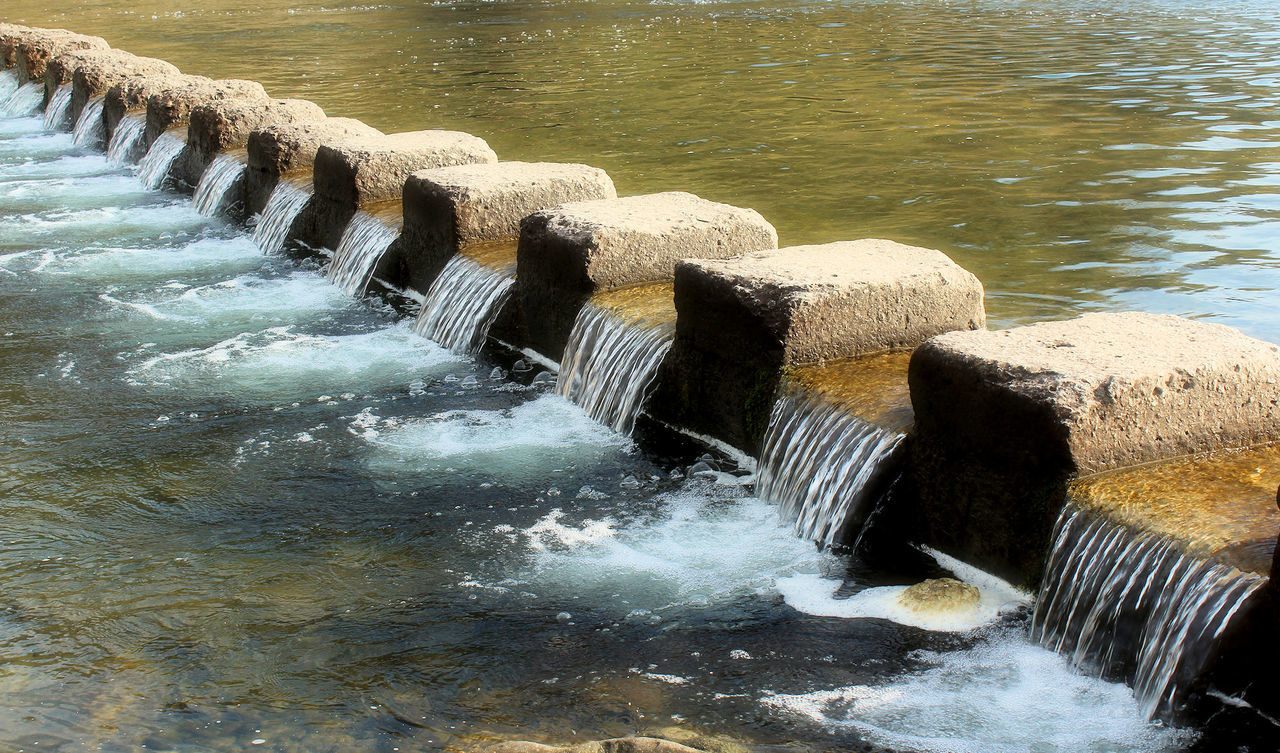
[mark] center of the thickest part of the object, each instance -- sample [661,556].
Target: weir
[26,100]
[57,112]
[465,300]
[126,140]
[365,239]
[287,201]
[219,179]
[153,170]
[89,130]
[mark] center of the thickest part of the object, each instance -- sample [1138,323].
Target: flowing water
[464,301]
[8,83]
[126,139]
[153,170]
[222,175]
[25,100]
[283,207]
[57,112]
[89,130]
[363,243]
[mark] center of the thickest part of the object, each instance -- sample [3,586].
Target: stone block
[1005,419]
[357,172]
[449,208]
[37,47]
[280,149]
[10,36]
[572,251]
[171,105]
[94,72]
[742,321]
[218,125]
[130,94]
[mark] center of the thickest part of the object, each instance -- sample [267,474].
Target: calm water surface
[240,510]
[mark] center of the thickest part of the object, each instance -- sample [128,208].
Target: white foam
[72,228]
[202,255]
[298,297]
[1004,695]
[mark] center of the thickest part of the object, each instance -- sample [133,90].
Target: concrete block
[223,124]
[36,47]
[282,148]
[172,105]
[93,72]
[10,36]
[130,94]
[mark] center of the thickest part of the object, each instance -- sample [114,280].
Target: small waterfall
[463,303]
[219,178]
[55,113]
[817,463]
[609,364]
[154,167]
[363,243]
[126,140]
[1133,605]
[8,82]
[283,207]
[89,128]
[26,100]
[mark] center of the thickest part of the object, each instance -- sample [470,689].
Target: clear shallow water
[239,506]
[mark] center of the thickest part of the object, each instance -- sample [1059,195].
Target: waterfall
[89,128]
[154,168]
[1122,603]
[283,207]
[55,113]
[222,174]
[363,243]
[463,303]
[26,100]
[610,362]
[818,461]
[8,83]
[126,139]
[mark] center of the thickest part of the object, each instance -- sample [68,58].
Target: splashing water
[8,83]
[609,364]
[25,101]
[818,462]
[126,140]
[1107,585]
[154,168]
[463,303]
[55,113]
[219,178]
[89,129]
[363,243]
[283,207]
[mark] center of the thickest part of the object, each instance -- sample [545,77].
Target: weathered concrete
[171,105]
[569,252]
[93,72]
[449,208]
[36,47]
[742,321]
[130,94]
[223,124]
[10,36]
[283,148]
[357,172]
[1005,419]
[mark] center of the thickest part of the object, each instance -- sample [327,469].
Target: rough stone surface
[130,94]
[283,148]
[448,208]
[172,105]
[10,36]
[96,71]
[743,320]
[223,124]
[569,252]
[1005,419]
[616,745]
[356,172]
[37,47]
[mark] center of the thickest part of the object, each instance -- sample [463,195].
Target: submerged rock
[940,596]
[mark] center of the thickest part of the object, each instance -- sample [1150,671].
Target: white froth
[120,263]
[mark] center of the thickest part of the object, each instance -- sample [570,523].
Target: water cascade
[154,167]
[126,139]
[465,299]
[216,183]
[283,207]
[614,351]
[363,243]
[55,113]
[25,101]
[8,83]
[89,129]
[1127,604]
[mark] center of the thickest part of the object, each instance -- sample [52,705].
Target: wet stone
[96,71]
[10,36]
[224,124]
[172,105]
[37,47]
[131,93]
[281,149]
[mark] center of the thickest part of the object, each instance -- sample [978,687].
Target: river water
[241,510]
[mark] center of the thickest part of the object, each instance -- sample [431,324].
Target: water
[463,303]
[1126,604]
[8,83]
[283,207]
[363,243]
[126,140]
[153,170]
[818,461]
[26,100]
[90,130]
[609,364]
[56,113]
[218,179]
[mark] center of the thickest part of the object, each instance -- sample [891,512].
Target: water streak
[609,364]
[219,178]
[126,140]
[154,168]
[25,101]
[463,303]
[8,82]
[90,130]
[818,463]
[363,243]
[283,207]
[55,113]
[1122,603]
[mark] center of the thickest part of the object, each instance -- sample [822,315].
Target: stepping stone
[283,148]
[36,47]
[93,72]
[172,105]
[130,94]
[226,124]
